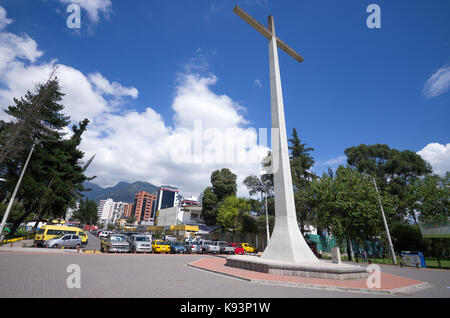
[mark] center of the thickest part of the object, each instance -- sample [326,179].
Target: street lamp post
[13,197]
[385,224]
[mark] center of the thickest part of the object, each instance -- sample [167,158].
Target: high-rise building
[167,198]
[188,201]
[118,211]
[105,210]
[109,211]
[143,206]
[127,210]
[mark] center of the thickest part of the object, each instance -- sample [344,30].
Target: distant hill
[123,191]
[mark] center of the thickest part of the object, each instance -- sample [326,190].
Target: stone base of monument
[321,269]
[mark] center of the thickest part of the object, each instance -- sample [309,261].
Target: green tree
[131,220]
[393,170]
[430,197]
[231,213]
[87,212]
[223,183]
[348,204]
[209,207]
[301,162]
[55,173]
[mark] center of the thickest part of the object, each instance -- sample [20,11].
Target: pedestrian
[364,253]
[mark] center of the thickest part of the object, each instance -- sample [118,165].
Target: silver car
[68,240]
[114,243]
[207,246]
[139,243]
[192,246]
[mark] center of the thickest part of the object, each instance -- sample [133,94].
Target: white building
[109,212]
[70,211]
[105,210]
[180,215]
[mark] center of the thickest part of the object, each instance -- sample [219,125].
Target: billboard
[435,229]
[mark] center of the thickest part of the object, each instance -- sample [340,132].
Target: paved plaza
[24,274]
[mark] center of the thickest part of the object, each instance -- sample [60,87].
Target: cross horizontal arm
[266,33]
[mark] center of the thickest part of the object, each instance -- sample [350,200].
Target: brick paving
[389,283]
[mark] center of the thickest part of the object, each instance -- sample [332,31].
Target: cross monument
[287,242]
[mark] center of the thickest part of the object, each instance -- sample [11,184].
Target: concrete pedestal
[320,269]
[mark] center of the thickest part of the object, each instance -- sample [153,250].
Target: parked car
[68,240]
[128,234]
[238,249]
[193,246]
[170,238]
[207,246]
[177,248]
[248,248]
[47,232]
[313,246]
[139,243]
[160,246]
[114,243]
[224,247]
[103,234]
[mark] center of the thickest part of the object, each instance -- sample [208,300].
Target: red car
[238,249]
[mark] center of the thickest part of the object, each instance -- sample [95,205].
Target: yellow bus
[47,232]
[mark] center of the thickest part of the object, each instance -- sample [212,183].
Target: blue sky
[356,85]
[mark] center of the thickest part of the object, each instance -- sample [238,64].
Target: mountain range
[123,191]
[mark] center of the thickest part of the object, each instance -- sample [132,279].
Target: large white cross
[287,242]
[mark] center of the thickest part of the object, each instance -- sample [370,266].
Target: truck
[225,248]
[207,246]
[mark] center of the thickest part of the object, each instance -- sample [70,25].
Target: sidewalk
[390,284]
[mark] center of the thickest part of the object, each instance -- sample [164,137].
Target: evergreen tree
[55,174]
[301,162]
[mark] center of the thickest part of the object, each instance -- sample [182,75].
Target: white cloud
[333,161]
[132,145]
[4,21]
[13,47]
[438,156]
[93,7]
[141,146]
[438,83]
[258,82]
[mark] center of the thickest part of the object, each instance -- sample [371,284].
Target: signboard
[435,229]
[413,259]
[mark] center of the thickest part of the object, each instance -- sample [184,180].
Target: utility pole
[385,225]
[13,197]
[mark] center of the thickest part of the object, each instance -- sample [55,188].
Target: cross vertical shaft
[287,242]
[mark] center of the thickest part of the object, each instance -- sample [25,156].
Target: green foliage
[223,183]
[430,196]
[131,220]
[209,207]
[232,211]
[14,214]
[55,173]
[348,203]
[301,161]
[406,237]
[394,170]
[87,213]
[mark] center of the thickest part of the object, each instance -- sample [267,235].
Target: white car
[104,234]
